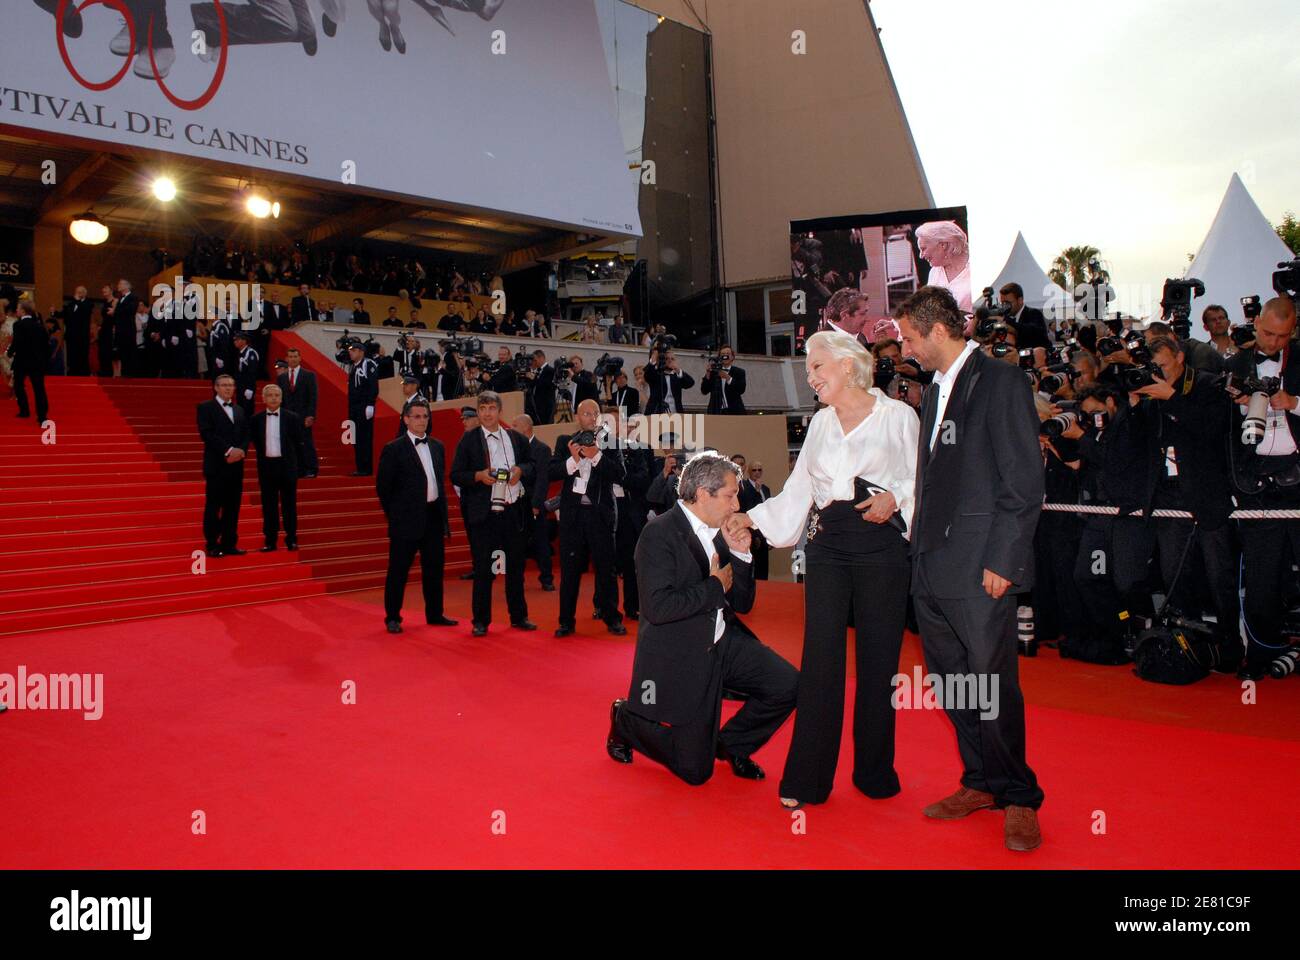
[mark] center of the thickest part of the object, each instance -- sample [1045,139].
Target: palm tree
[1078,265]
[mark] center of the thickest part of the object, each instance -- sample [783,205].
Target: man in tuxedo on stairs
[278,437]
[298,386]
[224,431]
[76,319]
[29,349]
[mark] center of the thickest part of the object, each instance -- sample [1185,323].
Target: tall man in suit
[539,533]
[246,372]
[666,380]
[277,435]
[413,493]
[754,491]
[587,517]
[303,307]
[124,329]
[298,386]
[1028,322]
[979,491]
[1267,477]
[695,579]
[363,395]
[275,315]
[76,319]
[224,431]
[494,510]
[725,387]
[29,348]
[541,389]
[630,514]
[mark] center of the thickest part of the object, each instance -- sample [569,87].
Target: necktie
[293,379]
[1265,357]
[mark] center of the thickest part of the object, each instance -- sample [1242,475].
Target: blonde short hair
[841,345]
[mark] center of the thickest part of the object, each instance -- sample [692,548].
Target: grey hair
[707,471]
[845,345]
[945,231]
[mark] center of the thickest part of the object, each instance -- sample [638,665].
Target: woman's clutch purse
[862,489]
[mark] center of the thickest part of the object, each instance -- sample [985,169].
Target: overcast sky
[1116,123]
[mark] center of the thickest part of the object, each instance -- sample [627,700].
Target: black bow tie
[1265,357]
[420,440]
[269,414]
[226,403]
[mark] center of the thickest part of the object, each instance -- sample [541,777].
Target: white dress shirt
[705,534]
[501,454]
[881,449]
[273,434]
[426,461]
[944,382]
[583,469]
[1277,441]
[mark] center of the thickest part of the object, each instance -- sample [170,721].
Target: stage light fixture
[275,209]
[88,229]
[164,188]
[259,206]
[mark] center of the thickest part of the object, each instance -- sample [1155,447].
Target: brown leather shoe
[1022,829]
[962,803]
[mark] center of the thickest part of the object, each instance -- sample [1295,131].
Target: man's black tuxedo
[978,497]
[660,383]
[629,398]
[1031,329]
[300,396]
[76,322]
[414,524]
[587,532]
[542,395]
[124,332]
[489,530]
[302,309]
[678,672]
[30,349]
[275,316]
[277,477]
[447,379]
[539,533]
[715,388]
[223,482]
[585,388]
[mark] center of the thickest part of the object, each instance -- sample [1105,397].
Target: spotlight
[259,206]
[164,188]
[88,229]
[275,209]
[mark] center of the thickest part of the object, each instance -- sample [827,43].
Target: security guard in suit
[363,395]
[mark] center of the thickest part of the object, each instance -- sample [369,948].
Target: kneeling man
[691,646]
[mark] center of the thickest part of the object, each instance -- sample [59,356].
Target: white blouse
[881,449]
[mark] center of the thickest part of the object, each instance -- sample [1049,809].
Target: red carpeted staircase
[101,525]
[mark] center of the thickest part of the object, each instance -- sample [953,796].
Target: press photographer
[666,378]
[724,384]
[1029,323]
[1265,434]
[539,380]
[899,378]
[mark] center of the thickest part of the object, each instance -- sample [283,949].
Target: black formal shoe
[441,621]
[309,476]
[548,588]
[1253,671]
[328,25]
[394,626]
[291,544]
[618,748]
[358,473]
[269,548]
[617,629]
[235,552]
[564,631]
[523,624]
[742,767]
[634,616]
[480,630]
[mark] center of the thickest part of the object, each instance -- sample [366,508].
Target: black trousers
[78,346]
[977,636]
[221,498]
[761,552]
[38,393]
[876,595]
[311,460]
[585,537]
[502,532]
[740,663]
[626,533]
[1099,625]
[104,348]
[1268,548]
[538,535]
[279,487]
[401,553]
[363,436]
[1056,601]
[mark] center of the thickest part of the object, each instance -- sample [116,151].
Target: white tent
[1237,257]
[1022,268]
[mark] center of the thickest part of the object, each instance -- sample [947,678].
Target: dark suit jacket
[543,395]
[471,457]
[402,487]
[30,346]
[541,455]
[978,497]
[713,388]
[660,384]
[291,439]
[303,308]
[1031,329]
[76,318]
[275,316]
[219,434]
[629,398]
[124,322]
[604,475]
[302,399]
[585,388]
[679,603]
[748,495]
[1243,365]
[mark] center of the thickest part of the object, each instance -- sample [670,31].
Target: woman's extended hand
[878,509]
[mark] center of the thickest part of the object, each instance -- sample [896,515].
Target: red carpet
[237,713]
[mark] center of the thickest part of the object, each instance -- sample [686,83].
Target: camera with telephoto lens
[1251,308]
[1258,389]
[500,489]
[1055,378]
[563,371]
[1053,427]
[1026,358]
[1001,349]
[465,346]
[1176,299]
[609,366]
[1242,334]
[1110,345]
[1137,376]
[1286,281]
[885,372]
[346,342]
